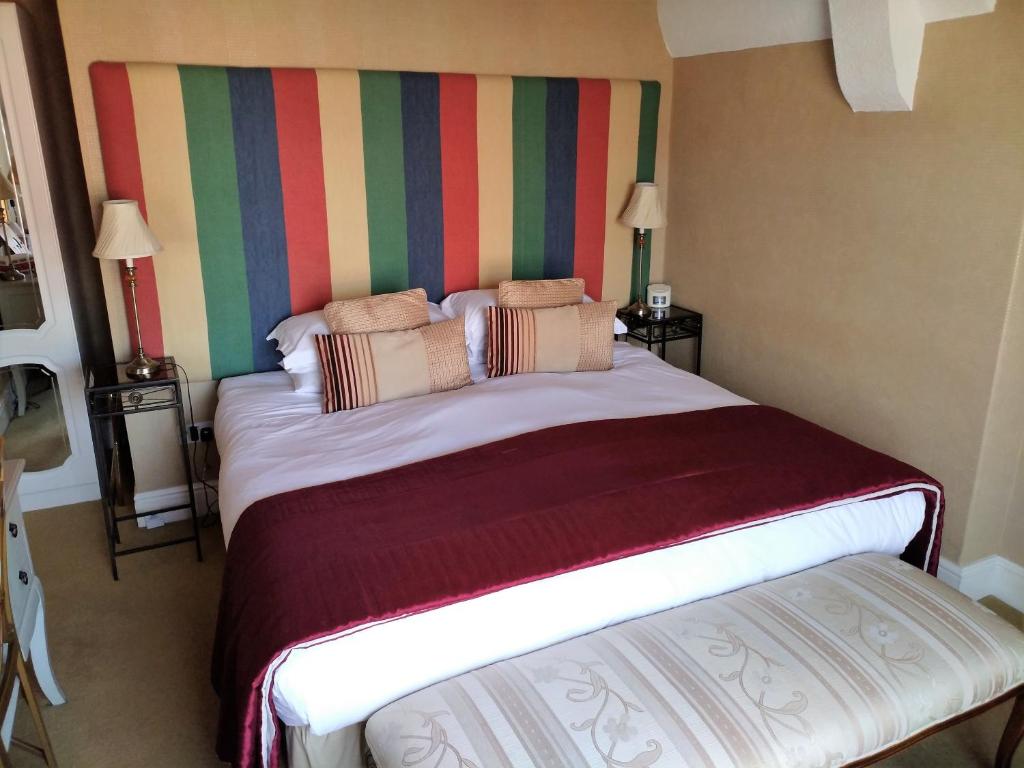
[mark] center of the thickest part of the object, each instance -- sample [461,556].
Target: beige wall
[856,268]
[585,38]
[996,522]
[1013,534]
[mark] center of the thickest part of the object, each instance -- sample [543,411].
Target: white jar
[659,295]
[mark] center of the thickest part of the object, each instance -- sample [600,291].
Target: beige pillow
[537,294]
[555,339]
[362,369]
[384,312]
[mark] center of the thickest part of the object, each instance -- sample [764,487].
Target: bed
[286,179]
[274,440]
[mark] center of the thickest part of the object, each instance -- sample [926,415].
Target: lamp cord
[211,513]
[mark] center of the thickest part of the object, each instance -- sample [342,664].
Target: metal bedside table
[663,326]
[109,393]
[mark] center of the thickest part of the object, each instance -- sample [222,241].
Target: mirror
[31,417]
[21,304]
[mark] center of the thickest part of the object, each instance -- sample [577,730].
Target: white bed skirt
[344,748]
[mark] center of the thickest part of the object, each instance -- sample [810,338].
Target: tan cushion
[556,339]
[384,312]
[362,369]
[815,669]
[537,294]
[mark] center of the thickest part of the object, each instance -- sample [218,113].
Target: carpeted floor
[133,656]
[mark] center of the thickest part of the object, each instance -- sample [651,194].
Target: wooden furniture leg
[1012,735]
[26,674]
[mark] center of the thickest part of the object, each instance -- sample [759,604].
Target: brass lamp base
[639,308]
[142,367]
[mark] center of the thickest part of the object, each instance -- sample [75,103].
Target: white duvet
[273,439]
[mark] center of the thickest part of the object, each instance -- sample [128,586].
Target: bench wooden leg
[1012,735]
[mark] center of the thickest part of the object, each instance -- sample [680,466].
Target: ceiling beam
[877,45]
[696,27]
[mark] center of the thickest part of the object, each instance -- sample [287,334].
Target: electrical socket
[200,432]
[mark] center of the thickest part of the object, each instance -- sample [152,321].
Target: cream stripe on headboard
[344,180]
[618,240]
[494,142]
[171,212]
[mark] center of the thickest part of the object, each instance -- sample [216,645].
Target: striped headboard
[275,190]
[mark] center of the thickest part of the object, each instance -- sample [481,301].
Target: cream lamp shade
[124,233]
[6,189]
[644,209]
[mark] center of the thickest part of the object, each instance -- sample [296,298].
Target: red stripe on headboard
[115,117]
[459,183]
[297,110]
[591,183]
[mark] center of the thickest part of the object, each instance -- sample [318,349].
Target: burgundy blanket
[312,562]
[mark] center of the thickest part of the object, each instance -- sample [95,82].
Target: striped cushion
[555,339]
[384,312]
[815,669]
[362,369]
[537,294]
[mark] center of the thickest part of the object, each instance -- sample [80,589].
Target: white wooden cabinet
[27,602]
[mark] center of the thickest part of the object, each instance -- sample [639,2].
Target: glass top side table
[663,326]
[110,393]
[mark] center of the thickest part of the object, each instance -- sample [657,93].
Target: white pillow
[618,326]
[294,337]
[474,304]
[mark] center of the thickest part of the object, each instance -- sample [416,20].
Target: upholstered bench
[842,664]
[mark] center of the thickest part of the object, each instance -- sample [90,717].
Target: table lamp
[124,235]
[9,273]
[643,213]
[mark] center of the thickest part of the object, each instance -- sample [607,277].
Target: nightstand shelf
[109,394]
[663,326]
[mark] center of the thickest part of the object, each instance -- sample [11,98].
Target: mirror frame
[75,480]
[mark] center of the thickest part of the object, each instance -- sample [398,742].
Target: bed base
[344,748]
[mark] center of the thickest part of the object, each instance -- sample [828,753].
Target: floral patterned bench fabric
[814,669]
